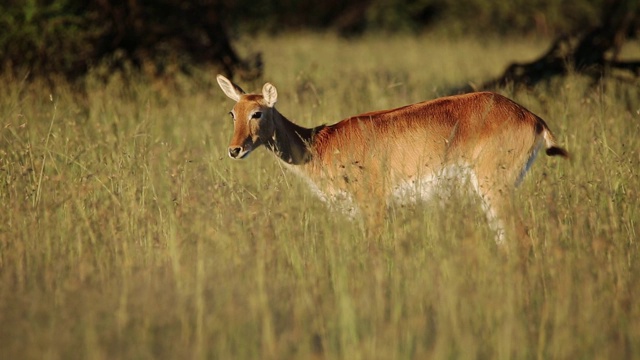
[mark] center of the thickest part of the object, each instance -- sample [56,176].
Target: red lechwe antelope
[482,140]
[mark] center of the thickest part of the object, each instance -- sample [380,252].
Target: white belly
[420,189]
[442,184]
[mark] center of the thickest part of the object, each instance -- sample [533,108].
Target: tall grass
[126,232]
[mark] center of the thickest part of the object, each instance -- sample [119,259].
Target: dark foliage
[68,37]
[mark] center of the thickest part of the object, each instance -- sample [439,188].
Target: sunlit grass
[126,232]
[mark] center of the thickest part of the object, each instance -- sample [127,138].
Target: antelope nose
[234,151]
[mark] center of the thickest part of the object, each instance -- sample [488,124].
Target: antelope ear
[270,94]
[230,89]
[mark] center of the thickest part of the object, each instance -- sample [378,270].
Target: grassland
[126,232]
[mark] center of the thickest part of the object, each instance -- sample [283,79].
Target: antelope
[482,140]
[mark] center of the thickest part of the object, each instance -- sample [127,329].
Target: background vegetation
[70,37]
[126,232]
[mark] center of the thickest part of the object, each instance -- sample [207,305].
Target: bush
[69,37]
[43,38]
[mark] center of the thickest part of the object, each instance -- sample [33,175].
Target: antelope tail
[552,148]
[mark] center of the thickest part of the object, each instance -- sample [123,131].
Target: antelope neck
[291,142]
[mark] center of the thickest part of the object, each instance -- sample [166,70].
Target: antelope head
[253,117]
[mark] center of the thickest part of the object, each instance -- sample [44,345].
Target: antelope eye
[256,115]
[231,114]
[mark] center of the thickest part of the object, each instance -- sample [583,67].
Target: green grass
[126,232]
